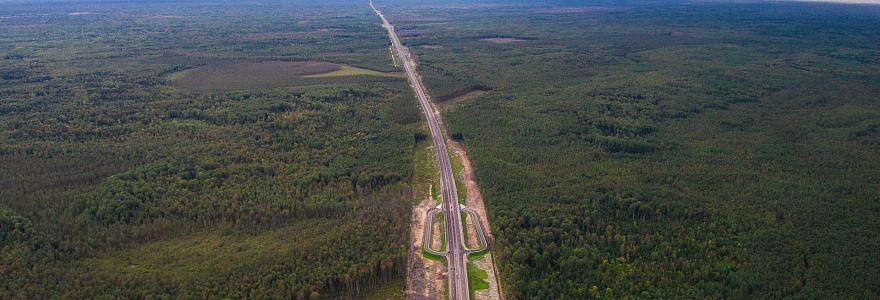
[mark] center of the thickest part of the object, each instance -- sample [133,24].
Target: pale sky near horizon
[842,1]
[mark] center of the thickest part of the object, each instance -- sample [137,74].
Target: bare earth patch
[426,278]
[250,75]
[472,240]
[431,46]
[435,235]
[502,40]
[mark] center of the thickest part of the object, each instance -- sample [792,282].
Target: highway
[456,254]
[429,221]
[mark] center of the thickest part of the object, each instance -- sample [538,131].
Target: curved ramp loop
[480,232]
[427,237]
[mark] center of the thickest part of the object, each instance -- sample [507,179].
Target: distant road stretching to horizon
[456,254]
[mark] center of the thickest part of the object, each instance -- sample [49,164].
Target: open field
[463,94]
[230,75]
[457,101]
[500,40]
[250,75]
[354,71]
[460,97]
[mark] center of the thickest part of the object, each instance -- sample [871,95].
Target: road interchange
[478,226]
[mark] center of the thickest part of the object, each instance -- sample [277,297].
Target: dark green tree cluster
[665,151]
[13,227]
[115,183]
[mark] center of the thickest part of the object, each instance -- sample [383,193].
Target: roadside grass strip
[457,169]
[478,254]
[440,219]
[435,193]
[477,279]
[464,232]
[433,256]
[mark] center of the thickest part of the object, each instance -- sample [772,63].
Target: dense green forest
[649,149]
[118,182]
[658,150]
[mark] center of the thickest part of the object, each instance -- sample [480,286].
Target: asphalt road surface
[455,250]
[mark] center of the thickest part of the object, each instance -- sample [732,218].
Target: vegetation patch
[440,219]
[123,183]
[572,9]
[502,40]
[463,94]
[457,169]
[465,228]
[615,144]
[477,279]
[410,33]
[478,254]
[13,227]
[424,168]
[433,256]
[346,70]
[176,75]
[249,75]
[392,290]
[737,162]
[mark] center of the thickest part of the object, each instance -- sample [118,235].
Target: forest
[624,149]
[136,163]
[663,150]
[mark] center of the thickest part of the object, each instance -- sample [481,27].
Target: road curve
[456,255]
[427,239]
[481,235]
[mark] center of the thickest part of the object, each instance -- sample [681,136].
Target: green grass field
[457,168]
[476,279]
[345,70]
[425,174]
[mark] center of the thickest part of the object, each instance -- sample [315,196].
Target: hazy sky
[845,1]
